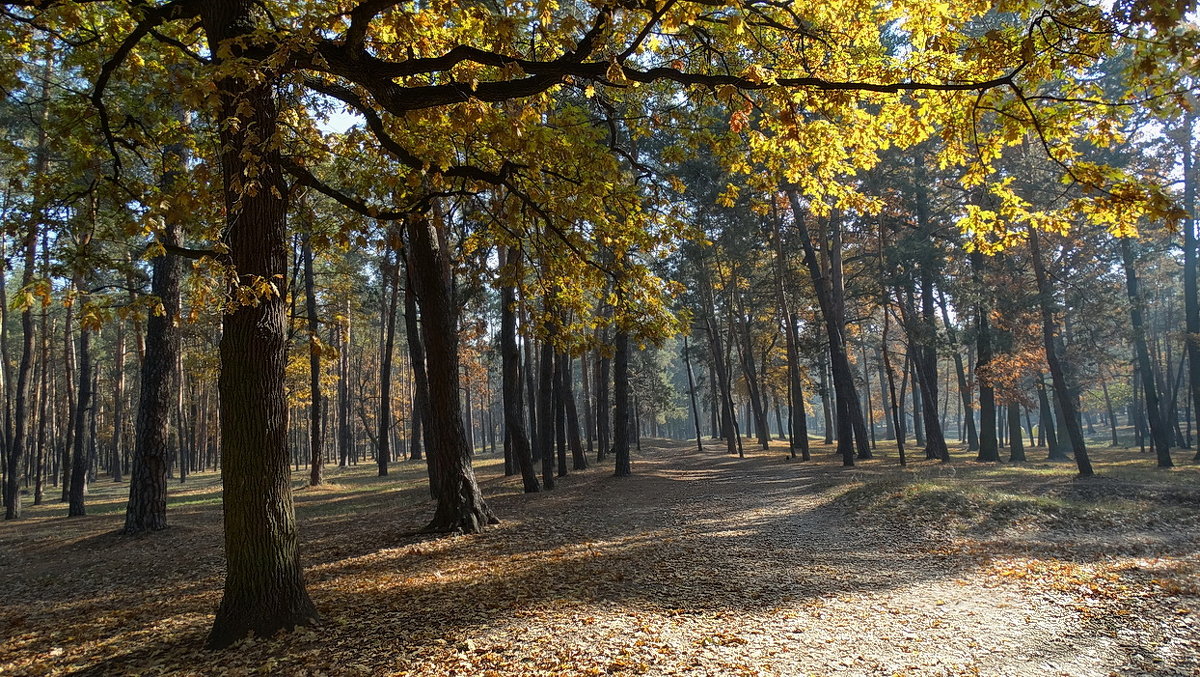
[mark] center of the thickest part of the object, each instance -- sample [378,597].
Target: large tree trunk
[460,504]
[1159,433]
[1058,375]
[514,417]
[264,588]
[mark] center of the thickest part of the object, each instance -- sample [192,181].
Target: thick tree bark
[514,417]
[264,588]
[1159,433]
[1058,375]
[460,507]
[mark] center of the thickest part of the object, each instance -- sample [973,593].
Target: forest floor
[699,564]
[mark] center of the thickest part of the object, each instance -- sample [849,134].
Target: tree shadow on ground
[690,533]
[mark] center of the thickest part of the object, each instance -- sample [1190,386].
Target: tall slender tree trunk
[68,419]
[603,408]
[851,426]
[391,273]
[1016,448]
[45,405]
[826,400]
[1058,375]
[989,447]
[578,459]
[621,413]
[728,433]
[41,162]
[935,441]
[960,372]
[514,418]
[798,418]
[545,403]
[687,362]
[1190,301]
[83,407]
[560,414]
[460,504]
[423,433]
[891,384]
[316,464]
[1159,433]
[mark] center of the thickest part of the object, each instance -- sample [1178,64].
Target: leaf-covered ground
[700,564]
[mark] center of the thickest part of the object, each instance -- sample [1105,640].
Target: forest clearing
[700,564]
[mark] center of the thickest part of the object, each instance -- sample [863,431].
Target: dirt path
[700,564]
